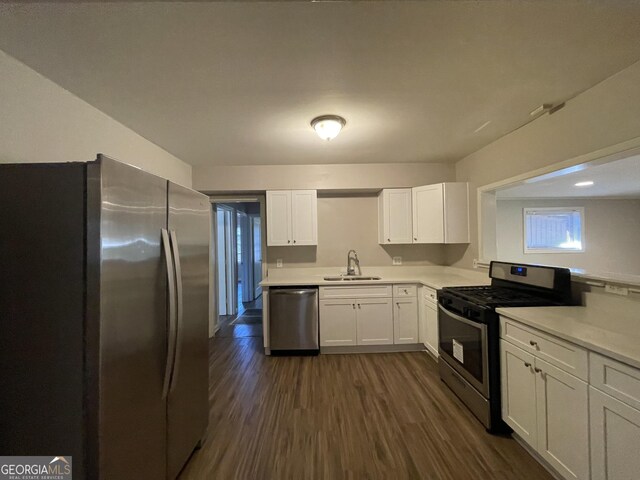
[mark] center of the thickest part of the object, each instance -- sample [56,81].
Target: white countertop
[613,335]
[434,277]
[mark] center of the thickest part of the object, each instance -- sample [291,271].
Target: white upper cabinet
[395,216]
[441,213]
[292,217]
[428,218]
[279,217]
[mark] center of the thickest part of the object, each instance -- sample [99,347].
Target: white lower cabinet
[338,322]
[368,315]
[519,392]
[356,321]
[431,321]
[614,402]
[428,324]
[563,420]
[405,320]
[374,321]
[615,438]
[548,408]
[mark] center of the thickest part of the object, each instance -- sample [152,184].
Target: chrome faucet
[350,268]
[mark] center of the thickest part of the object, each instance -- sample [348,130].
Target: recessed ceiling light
[328,126]
[584,184]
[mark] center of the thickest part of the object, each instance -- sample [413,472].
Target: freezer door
[133,328]
[188,401]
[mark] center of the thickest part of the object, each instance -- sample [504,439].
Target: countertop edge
[324,283]
[589,345]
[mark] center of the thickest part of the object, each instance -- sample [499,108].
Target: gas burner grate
[490,295]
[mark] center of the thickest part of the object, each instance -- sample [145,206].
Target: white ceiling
[618,179]
[238,82]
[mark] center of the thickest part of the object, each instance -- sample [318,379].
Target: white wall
[611,235]
[346,223]
[320,177]
[42,122]
[604,115]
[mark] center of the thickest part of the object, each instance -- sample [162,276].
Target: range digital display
[520,271]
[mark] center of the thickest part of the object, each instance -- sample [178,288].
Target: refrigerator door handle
[180,309]
[171,281]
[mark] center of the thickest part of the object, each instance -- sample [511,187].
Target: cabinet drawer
[430,294]
[564,355]
[356,291]
[405,291]
[617,379]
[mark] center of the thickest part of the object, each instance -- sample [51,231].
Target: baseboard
[409,347]
[435,358]
[554,473]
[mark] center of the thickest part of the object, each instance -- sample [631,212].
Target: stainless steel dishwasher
[293,320]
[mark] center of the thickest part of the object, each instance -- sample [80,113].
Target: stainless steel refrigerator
[104,297]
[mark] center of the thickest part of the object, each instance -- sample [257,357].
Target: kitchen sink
[350,278]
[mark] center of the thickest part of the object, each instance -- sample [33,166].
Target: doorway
[239,247]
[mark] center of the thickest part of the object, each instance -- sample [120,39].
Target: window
[553,230]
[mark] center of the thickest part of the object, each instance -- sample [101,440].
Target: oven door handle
[480,326]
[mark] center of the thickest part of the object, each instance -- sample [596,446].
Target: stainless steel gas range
[469,330]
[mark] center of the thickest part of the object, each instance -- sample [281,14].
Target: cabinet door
[563,420]
[278,218]
[422,317]
[428,214]
[304,217]
[405,320]
[518,391]
[337,322]
[374,321]
[431,314]
[615,438]
[397,216]
[456,212]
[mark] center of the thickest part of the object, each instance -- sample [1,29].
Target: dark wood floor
[374,416]
[247,323]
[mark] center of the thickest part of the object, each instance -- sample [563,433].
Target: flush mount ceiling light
[584,184]
[328,126]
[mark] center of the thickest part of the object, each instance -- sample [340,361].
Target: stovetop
[495,297]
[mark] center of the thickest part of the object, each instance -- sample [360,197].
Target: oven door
[463,344]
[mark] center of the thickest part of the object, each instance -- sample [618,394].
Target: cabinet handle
[354,306]
[532,343]
[388,239]
[415,238]
[359,306]
[398,304]
[406,291]
[537,370]
[527,364]
[294,241]
[288,241]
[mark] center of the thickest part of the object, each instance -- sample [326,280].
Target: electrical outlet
[279,263]
[397,260]
[616,290]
